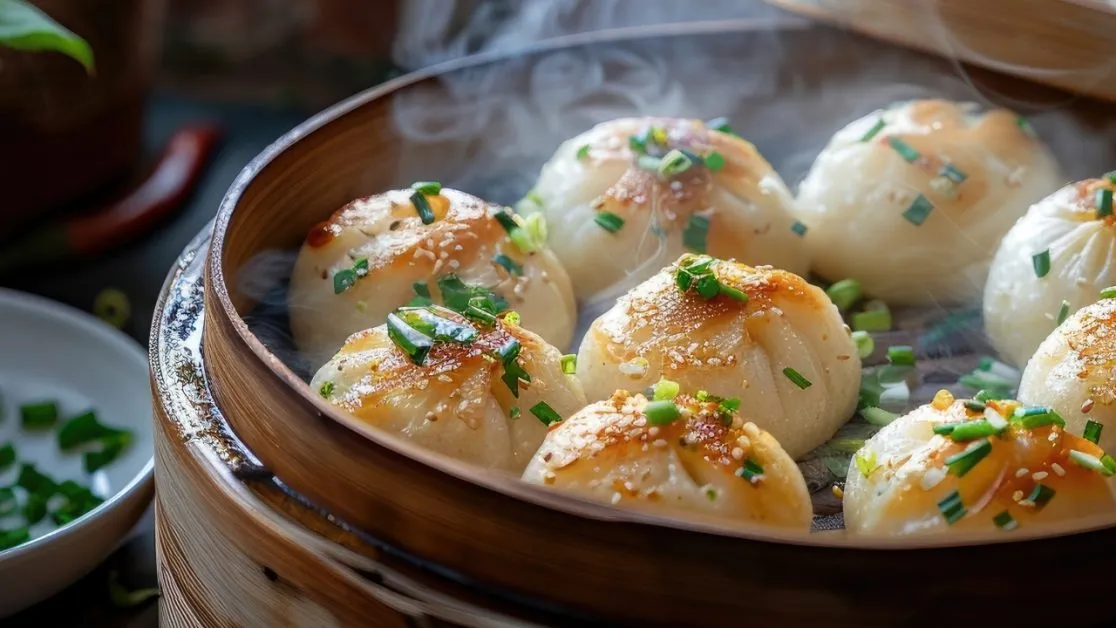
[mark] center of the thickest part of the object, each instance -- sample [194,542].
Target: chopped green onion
[608,221]
[962,462]
[878,416]
[1036,417]
[38,415]
[1109,463]
[509,264]
[952,508]
[360,266]
[583,152]
[109,452]
[35,482]
[1108,293]
[429,188]
[512,318]
[865,345]
[421,288]
[513,414]
[904,149]
[1005,521]
[326,390]
[123,598]
[1111,176]
[901,355]
[714,161]
[1088,461]
[7,501]
[674,163]
[649,163]
[411,341]
[1025,126]
[12,538]
[866,464]
[7,455]
[659,135]
[1092,434]
[918,211]
[732,293]
[990,395]
[946,427]
[1063,312]
[696,234]
[1041,495]
[797,378]
[569,364]
[422,206]
[751,471]
[666,390]
[1104,203]
[844,293]
[949,171]
[872,320]
[638,143]
[85,428]
[872,132]
[1041,263]
[431,322]
[545,413]
[662,412]
[719,124]
[112,306]
[513,372]
[34,508]
[458,296]
[972,430]
[343,280]
[799,228]
[528,237]
[727,408]
[973,405]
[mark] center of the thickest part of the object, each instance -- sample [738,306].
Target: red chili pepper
[168,185]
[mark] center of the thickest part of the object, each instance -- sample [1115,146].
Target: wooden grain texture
[1069,44]
[491,530]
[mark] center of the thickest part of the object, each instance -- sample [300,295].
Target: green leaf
[24,27]
[85,428]
[123,598]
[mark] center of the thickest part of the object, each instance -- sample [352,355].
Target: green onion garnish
[1035,417]
[696,233]
[1005,521]
[34,508]
[1104,203]
[865,345]
[513,372]
[1041,263]
[1025,125]
[608,221]
[1109,463]
[326,390]
[962,462]
[949,171]
[872,320]
[426,214]
[1111,176]
[85,428]
[525,238]
[658,135]
[972,405]
[719,124]
[666,390]
[569,364]
[1041,495]
[872,132]
[1108,293]
[7,455]
[990,395]
[458,296]
[38,415]
[343,280]
[509,264]
[431,323]
[797,378]
[421,289]
[513,414]
[972,430]
[638,143]
[918,210]
[1063,312]
[12,538]
[844,293]
[799,228]
[583,152]
[728,407]
[904,149]
[429,188]
[662,412]
[512,318]
[8,503]
[865,464]
[35,482]
[674,163]
[952,508]
[751,471]
[649,163]
[877,416]
[1088,461]
[733,293]
[545,413]
[1092,433]
[946,427]
[714,161]
[111,449]
[901,355]
[412,342]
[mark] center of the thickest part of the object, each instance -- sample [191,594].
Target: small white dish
[51,351]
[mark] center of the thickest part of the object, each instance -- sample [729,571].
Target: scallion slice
[1108,293]
[720,124]
[512,318]
[918,211]
[904,149]
[429,188]
[1005,521]
[696,234]
[674,163]
[946,428]
[952,508]
[728,407]
[35,482]
[662,412]
[326,390]
[14,537]
[543,412]
[84,428]
[34,508]
[901,355]
[1063,312]
[582,152]
[422,206]
[569,364]
[513,414]
[38,415]
[872,132]
[508,264]
[799,228]
[650,163]
[844,293]
[865,345]
[513,372]
[1025,126]
[872,320]
[866,464]
[991,395]
[949,171]
[1088,461]
[972,430]
[1092,432]
[343,280]
[608,221]
[421,289]
[7,455]
[1041,263]
[1036,417]
[666,390]
[797,378]
[1104,203]
[412,342]
[878,416]
[8,502]
[638,143]
[714,161]
[972,405]
[1111,176]
[751,471]
[962,462]
[1041,495]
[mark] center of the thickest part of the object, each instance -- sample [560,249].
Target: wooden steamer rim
[576,555]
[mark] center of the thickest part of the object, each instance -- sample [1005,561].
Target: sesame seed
[1021,472]
[660,443]
[738,453]
[454,264]
[1039,475]
[653,431]
[615,498]
[1058,470]
[1016,496]
[1026,503]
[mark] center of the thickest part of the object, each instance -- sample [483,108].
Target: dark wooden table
[139,270]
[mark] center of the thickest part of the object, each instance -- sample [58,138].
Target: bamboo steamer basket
[273,509]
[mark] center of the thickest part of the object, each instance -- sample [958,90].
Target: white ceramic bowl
[51,351]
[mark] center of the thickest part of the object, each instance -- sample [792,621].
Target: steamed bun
[705,463]
[464,400]
[901,482]
[616,218]
[1074,371]
[755,346]
[912,200]
[401,256]
[1079,240]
